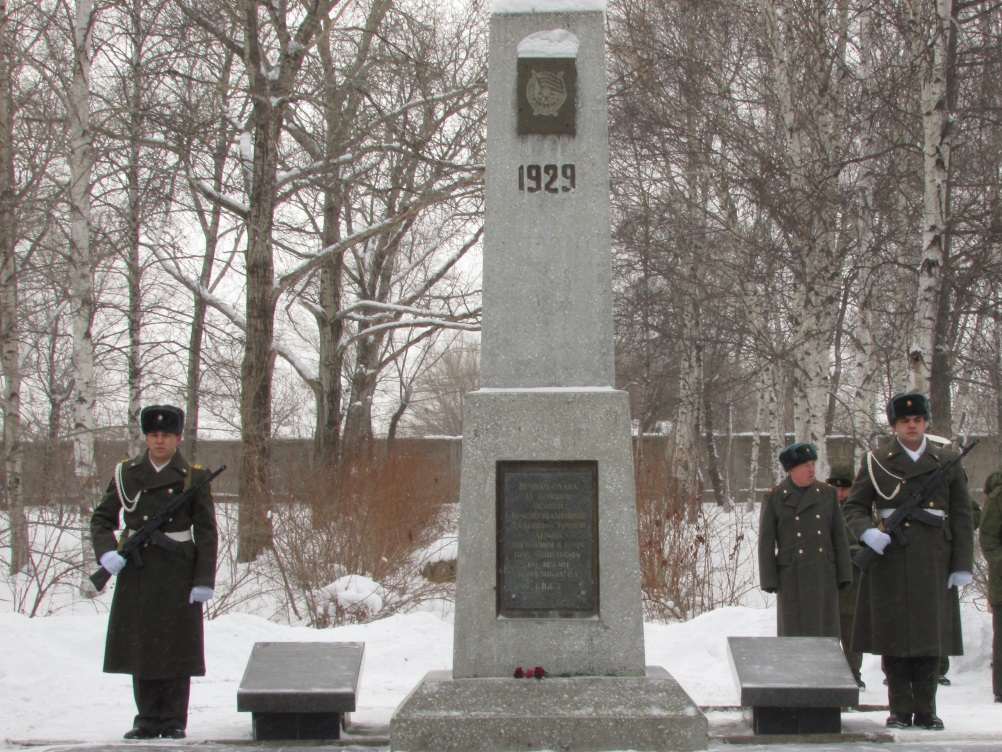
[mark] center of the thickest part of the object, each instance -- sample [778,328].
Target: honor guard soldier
[803,552]
[908,610]
[990,535]
[840,478]
[155,624]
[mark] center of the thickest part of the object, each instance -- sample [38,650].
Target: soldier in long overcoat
[840,476]
[908,608]
[155,628]
[803,551]
[990,536]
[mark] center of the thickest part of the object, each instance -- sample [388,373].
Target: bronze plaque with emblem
[547,548]
[546,95]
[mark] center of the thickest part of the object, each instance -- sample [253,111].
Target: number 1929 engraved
[549,178]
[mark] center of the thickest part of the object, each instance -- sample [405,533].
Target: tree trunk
[762,390]
[341,100]
[937,132]
[358,421]
[210,222]
[271,89]
[81,282]
[133,264]
[10,334]
[255,533]
[712,453]
[684,483]
[776,412]
[941,371]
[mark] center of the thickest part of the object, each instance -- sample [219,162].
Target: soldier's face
[910,431]
[803,474]
[843,494]
[162,445]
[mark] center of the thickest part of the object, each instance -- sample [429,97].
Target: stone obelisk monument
[548,567]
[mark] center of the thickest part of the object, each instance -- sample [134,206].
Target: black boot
[173,732]
[899,720]
[140,733]
[929,721]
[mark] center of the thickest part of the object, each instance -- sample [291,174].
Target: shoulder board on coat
[773,489]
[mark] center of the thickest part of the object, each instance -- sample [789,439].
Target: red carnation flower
[539,673]
[519,673]
[528,673]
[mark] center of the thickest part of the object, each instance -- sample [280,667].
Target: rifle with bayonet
[911,509]
[128,545]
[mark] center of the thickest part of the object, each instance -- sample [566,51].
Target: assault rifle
[910,508]
[128,545]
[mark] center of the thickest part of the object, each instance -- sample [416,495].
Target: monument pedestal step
[576,714]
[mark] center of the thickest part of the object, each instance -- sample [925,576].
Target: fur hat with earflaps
[908,403]
[162,418]
[797,454]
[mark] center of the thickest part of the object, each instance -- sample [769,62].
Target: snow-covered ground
[52,688]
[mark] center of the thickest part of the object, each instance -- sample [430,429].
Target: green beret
[841,475]
[908,403]
[797,454]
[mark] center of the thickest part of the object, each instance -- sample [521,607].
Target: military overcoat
[990,536]
[904,608]
[153,631]
[803,556]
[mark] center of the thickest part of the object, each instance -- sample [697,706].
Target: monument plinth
[548,566]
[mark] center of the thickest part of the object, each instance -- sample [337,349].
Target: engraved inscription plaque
[546,95]
[547,539]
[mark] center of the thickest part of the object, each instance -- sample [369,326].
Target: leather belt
[885,513]
[180,536]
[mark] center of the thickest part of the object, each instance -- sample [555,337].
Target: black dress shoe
[929,721]
[861,684]
[943,681]
[140,733]
[173,732]
[899,720]
[998,698]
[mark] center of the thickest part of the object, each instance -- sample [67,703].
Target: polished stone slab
[300,690]
[794,685]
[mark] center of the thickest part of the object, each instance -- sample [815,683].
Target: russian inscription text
[547,553]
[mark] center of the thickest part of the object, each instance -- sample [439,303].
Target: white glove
[113,561]
[876,539]
[959,580]
[200,594]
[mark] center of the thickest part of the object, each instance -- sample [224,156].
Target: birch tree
[929,31]
[10,325]
[81,160]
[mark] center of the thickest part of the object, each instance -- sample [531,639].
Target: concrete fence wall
[48,468]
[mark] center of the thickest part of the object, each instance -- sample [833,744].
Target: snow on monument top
[553,43]
[547,6]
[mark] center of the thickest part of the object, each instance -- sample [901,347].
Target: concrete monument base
[552,425]
[576,714]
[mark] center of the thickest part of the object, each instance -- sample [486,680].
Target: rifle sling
[919,514]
